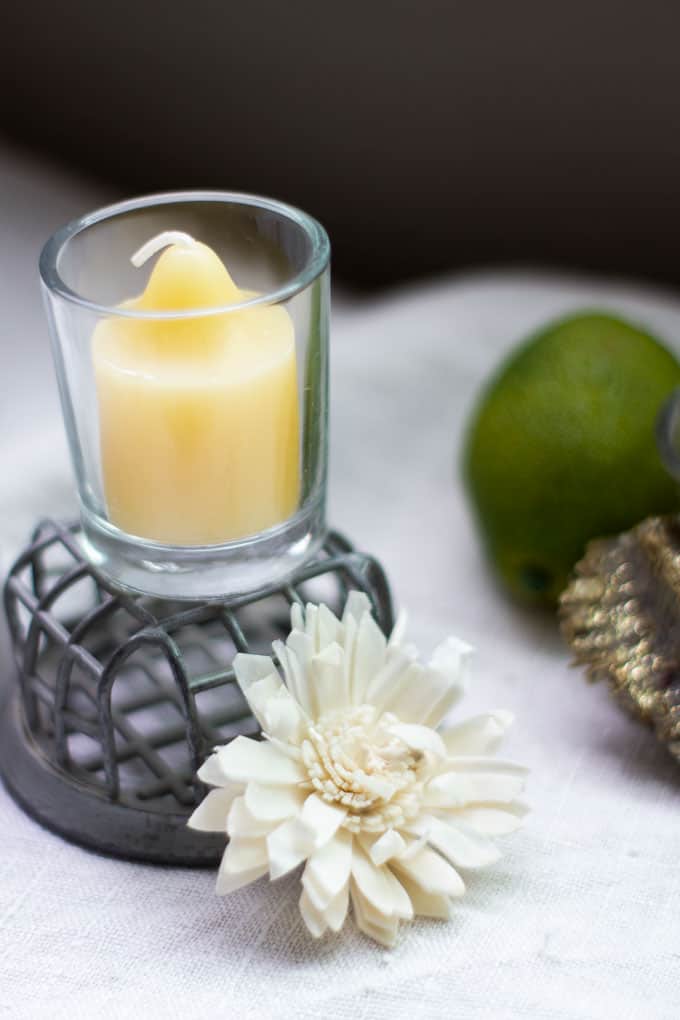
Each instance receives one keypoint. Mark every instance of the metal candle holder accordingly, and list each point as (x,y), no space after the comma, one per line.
(119,697)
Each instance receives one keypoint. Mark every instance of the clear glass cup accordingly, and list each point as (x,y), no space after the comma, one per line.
(157,448)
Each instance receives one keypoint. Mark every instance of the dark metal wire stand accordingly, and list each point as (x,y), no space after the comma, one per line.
(119,697)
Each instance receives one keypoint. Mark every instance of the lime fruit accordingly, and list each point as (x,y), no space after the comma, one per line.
(561,448)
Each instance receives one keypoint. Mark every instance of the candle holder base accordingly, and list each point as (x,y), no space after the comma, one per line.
(119,697)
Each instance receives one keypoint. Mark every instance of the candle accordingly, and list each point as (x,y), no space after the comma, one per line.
(198,417)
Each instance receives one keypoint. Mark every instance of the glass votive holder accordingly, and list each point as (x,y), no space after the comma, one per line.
(195,397)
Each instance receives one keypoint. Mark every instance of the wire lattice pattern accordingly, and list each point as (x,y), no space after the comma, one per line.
(123,695)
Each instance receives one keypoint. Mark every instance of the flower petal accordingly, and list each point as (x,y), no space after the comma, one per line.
(282,718)
(442,683)
(492,819)
(481,734)
(431,873)
(349,647)
(243,854)
(380,887)
(211,813)
(243,862)
(228,882)
(313,918)
(336,911)
(329,628)
(463,847)
(327,680)
(451,694)
(369,656)
(318,896)
(426,904)
(287,846)
(311,630)
(272,704)
(291,751)
(322,820)
(241,823)
(294,840)
(331,864)
(334,908)
(419,738)
(390,844)
(258,692)
(251,668)
(377,926)
(470,780)
(357,606)
(297,617)
(273,803)
(243,760)
(294,658)
(399,629)
(413,846)
(398,673)
(211,772)
(423,697)
(452,657)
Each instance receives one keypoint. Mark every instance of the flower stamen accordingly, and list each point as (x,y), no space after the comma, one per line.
(353,760)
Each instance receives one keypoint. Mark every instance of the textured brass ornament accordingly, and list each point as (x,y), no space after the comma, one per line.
(621,616)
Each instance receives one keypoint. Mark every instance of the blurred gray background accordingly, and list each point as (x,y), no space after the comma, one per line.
(425,135)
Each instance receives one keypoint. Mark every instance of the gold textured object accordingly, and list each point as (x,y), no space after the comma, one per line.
(621,616)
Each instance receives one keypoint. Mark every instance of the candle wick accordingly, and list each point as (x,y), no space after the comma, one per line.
(155,244)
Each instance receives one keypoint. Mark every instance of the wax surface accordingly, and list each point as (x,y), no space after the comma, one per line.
(199,422)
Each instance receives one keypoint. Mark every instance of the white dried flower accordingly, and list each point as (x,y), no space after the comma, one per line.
(353,778)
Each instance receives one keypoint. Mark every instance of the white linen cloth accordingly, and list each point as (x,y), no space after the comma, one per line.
(581,917)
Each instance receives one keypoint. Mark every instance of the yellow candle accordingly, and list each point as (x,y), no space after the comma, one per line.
(198,417)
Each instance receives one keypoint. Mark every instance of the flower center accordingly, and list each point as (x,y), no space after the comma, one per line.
(353,760)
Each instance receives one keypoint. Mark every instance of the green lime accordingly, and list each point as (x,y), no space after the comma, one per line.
(561,448)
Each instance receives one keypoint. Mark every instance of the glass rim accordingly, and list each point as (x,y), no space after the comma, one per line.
(315,265)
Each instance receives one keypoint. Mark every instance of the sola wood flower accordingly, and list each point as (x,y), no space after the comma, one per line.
(353,779)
